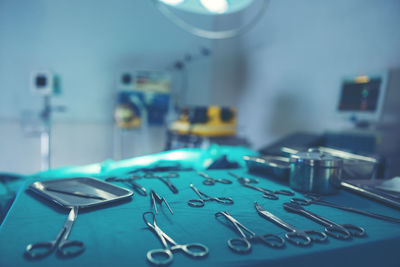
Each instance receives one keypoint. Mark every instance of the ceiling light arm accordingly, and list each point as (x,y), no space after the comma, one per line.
(208,33)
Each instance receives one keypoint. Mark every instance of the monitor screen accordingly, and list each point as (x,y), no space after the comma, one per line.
(360,95)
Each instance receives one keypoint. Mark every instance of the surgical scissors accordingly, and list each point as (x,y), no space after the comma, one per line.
(155,198)
(314,199)
(45,248)
(339,231)
(203,198)
(166,182)
(242,245)
(195,250)
(295,236)
(269,194)
(135,186)
(211,181)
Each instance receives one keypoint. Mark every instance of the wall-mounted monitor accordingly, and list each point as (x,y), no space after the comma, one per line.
(361,98)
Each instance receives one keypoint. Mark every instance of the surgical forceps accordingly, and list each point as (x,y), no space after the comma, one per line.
(166,182)
(295,236)
(155,198)
(339,231)
(135,186)
(203,198)
(314,199)
(269,194)
(195,250)
(242,245)
(211,181)
(45,248)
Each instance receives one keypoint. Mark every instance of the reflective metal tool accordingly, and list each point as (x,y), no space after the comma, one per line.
(339,231)
(203,198)
(242,245)
(315,199)
(64,247)
(295,236)
(211,181)
(131,182)
(195,250)
(269,194)
(156,199)
(166,181)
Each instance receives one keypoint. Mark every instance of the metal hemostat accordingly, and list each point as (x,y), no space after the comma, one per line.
(211,181)
(243,245)
(156,199)
(269,194)
(195,250)
(294,235)
(339,231)
(130,181)
(315,199)
(197,203)
(167,182)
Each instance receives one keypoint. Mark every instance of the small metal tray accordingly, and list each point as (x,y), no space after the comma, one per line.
(96,192)
(270,166)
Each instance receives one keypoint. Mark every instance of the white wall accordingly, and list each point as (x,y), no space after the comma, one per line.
(297,56)
(86,43)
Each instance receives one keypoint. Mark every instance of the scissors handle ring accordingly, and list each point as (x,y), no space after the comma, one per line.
(196,203)
(298,238)
(161,253)
(355,230)
(65,251)
(225,200)
(209,182)
(43,248)
(301,201)
(270,196)
(316,236)
(272,240)
(239,245)
(337,232)
(195,250)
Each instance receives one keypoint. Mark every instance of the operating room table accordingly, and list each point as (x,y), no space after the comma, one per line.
(116,235)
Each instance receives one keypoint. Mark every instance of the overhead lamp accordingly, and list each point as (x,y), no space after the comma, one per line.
(209,7)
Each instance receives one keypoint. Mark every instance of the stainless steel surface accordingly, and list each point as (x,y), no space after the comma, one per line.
(43,249)
(84,185)
(270,166)
(195,250)
(211,181)
(315,172)
(294,235)
(243,245)
(197,203)
(156,199)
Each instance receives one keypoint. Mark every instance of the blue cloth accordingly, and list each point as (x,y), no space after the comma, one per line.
(115,235)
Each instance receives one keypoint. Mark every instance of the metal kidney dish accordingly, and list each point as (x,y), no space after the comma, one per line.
(315,172)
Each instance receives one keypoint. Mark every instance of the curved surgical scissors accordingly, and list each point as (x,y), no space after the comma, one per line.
(339,231)
(295,236)
(195,250)
(44,249)
(135,186)
(211,181)
(269,194)
(314,199)
(242,245)
(203,198)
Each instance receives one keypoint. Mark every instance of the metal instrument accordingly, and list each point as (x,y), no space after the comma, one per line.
(314,199)
(74,193)
(211,181)
(155,198)
(130,181)
(64,246)
(269,194)
(167,182)
(242,245)
(339,231)
(195,250)
(295,236)
(203,198)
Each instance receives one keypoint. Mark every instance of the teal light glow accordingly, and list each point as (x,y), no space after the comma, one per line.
(209,6)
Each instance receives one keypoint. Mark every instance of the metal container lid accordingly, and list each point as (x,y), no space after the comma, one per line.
(316,159)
